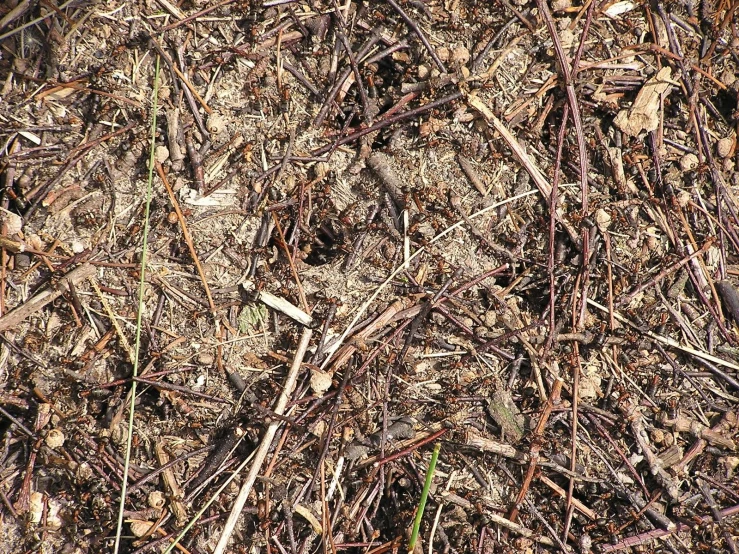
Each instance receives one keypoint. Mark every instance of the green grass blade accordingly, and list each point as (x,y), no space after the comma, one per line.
(142,285)
(424,497)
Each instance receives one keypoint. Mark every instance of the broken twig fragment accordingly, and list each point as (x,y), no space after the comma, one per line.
(45,297)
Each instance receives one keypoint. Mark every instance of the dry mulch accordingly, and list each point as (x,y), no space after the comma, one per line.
(375,228)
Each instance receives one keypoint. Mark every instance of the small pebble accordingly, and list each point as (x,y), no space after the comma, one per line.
(688,162)
(161,153)
(460,55)
(728,77)
(54,439)
(216,123)
(490,318)
(602,220)
(156,499)
(36,507)
(658,436)
(725,146)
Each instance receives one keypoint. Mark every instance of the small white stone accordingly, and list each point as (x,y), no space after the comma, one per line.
(54,439)
(83,472)
(156,499)
(728,77)
(725,146)
(53,519)
(320,382)
(216,123)
(161,153)
(602,220)
(460,55)
(688,162)
(36,507)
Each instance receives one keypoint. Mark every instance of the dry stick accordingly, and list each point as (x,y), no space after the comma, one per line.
(585,510)
(15,317)
(190,96)
(293,269)
(265,445)
(519,15)
(553,225)
(15,13)
(172,486)
(352,60)
(11,16)
(576,368)
(195,15)
(343,77)
(724,425)
(636,540)
(632,413)
(73,158)
(188,238)
(668,341)
(91,91)
(114,321)
(569,74)
(471,174)
(348,350)
(379,125)
(664,273)
(541,183)
(536,447)
(416,29)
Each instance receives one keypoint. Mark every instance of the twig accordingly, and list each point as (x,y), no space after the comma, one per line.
(633,415)
(664,273)
(569,74)
(471,174)
(195,15)
(45,297)
(9,18)
(668,341)
(416,29)
(301,293)
(329,101)
(187,237)
(265,445)
(553,399)
(173,488)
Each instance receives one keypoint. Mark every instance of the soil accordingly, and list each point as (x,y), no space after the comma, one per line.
(531,269)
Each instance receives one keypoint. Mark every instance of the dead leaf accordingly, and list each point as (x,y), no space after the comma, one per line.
(644,113)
